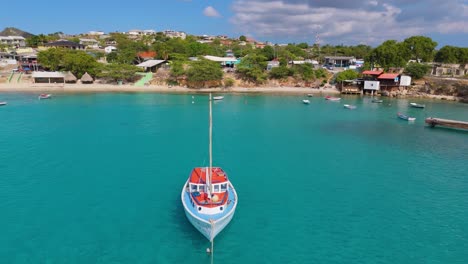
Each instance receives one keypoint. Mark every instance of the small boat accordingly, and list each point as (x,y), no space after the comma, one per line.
(415,105)
(378,101)
(218,97)
(349,106)
(331,98)
(3,103)
(305,101)
(405,117)
(45,96)
(310,95)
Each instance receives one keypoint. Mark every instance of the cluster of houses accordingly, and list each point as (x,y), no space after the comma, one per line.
(374,81)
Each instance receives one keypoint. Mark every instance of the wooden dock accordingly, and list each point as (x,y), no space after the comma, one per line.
(433,121)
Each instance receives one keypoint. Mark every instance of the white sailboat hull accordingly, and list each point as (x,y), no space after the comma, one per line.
(209,226)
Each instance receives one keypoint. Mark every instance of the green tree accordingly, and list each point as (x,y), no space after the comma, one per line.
(388,54)
(305,71)
(420,48)
(268,52)
(112,57)
(303,45)
(78,62)
(346,75)
(447,54)
(177,69)
(203,71)
(280,72)
(417,70)
(51,59)
(242,38)
(252,68)
(118,72)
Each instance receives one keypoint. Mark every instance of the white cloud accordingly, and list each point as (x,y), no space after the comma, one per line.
(211,12)
(336,21)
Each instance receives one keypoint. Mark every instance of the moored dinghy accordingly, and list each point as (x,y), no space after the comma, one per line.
(305,101)
(218,97)
(331,98)
(3,103)
(415,105)
(44,96)
(349,106)
(405,117)
(208,197)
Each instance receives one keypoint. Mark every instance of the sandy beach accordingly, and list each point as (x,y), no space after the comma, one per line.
(108,88)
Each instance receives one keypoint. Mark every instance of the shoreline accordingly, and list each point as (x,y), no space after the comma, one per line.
(112,88)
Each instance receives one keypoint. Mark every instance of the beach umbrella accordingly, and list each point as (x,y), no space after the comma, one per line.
(86,78)
(70,78)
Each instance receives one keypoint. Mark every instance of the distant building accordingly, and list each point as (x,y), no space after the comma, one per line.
(13,41)
(95,33)
(452,70)
(340,62)
(65,44)
(135,32)
(151,65)
(89,43)
(224,61)
(147,32)
(147,55)
(174,34)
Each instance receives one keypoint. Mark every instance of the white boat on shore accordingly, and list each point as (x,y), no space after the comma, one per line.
(208,197)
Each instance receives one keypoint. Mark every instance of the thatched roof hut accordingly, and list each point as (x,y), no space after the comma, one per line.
(86,78)
(70,78)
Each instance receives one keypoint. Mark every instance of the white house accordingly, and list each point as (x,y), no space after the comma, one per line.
(89,43)
(13,41)
(135,32)
(95,33)
(109,49)
(174,34)
(149,32)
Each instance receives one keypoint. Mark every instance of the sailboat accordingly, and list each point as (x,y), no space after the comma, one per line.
(208,197)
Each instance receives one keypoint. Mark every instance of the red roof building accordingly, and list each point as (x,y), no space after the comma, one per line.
(375,73)
(147,55)
(388,76)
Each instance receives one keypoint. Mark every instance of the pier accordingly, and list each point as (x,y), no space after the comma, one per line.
(433,121)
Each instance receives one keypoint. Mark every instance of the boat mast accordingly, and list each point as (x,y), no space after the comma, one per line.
(210,148)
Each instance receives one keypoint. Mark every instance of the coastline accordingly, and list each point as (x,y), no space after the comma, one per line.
(110,88)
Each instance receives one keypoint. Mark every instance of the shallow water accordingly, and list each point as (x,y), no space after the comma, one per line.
(96,178)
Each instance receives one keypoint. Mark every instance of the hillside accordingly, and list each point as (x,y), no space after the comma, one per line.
(11,31)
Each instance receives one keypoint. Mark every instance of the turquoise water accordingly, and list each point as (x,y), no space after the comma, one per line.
(96,178)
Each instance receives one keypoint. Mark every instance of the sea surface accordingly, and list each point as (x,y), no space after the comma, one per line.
(97,178)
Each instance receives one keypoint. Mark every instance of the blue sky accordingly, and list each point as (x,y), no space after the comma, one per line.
(280,21)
